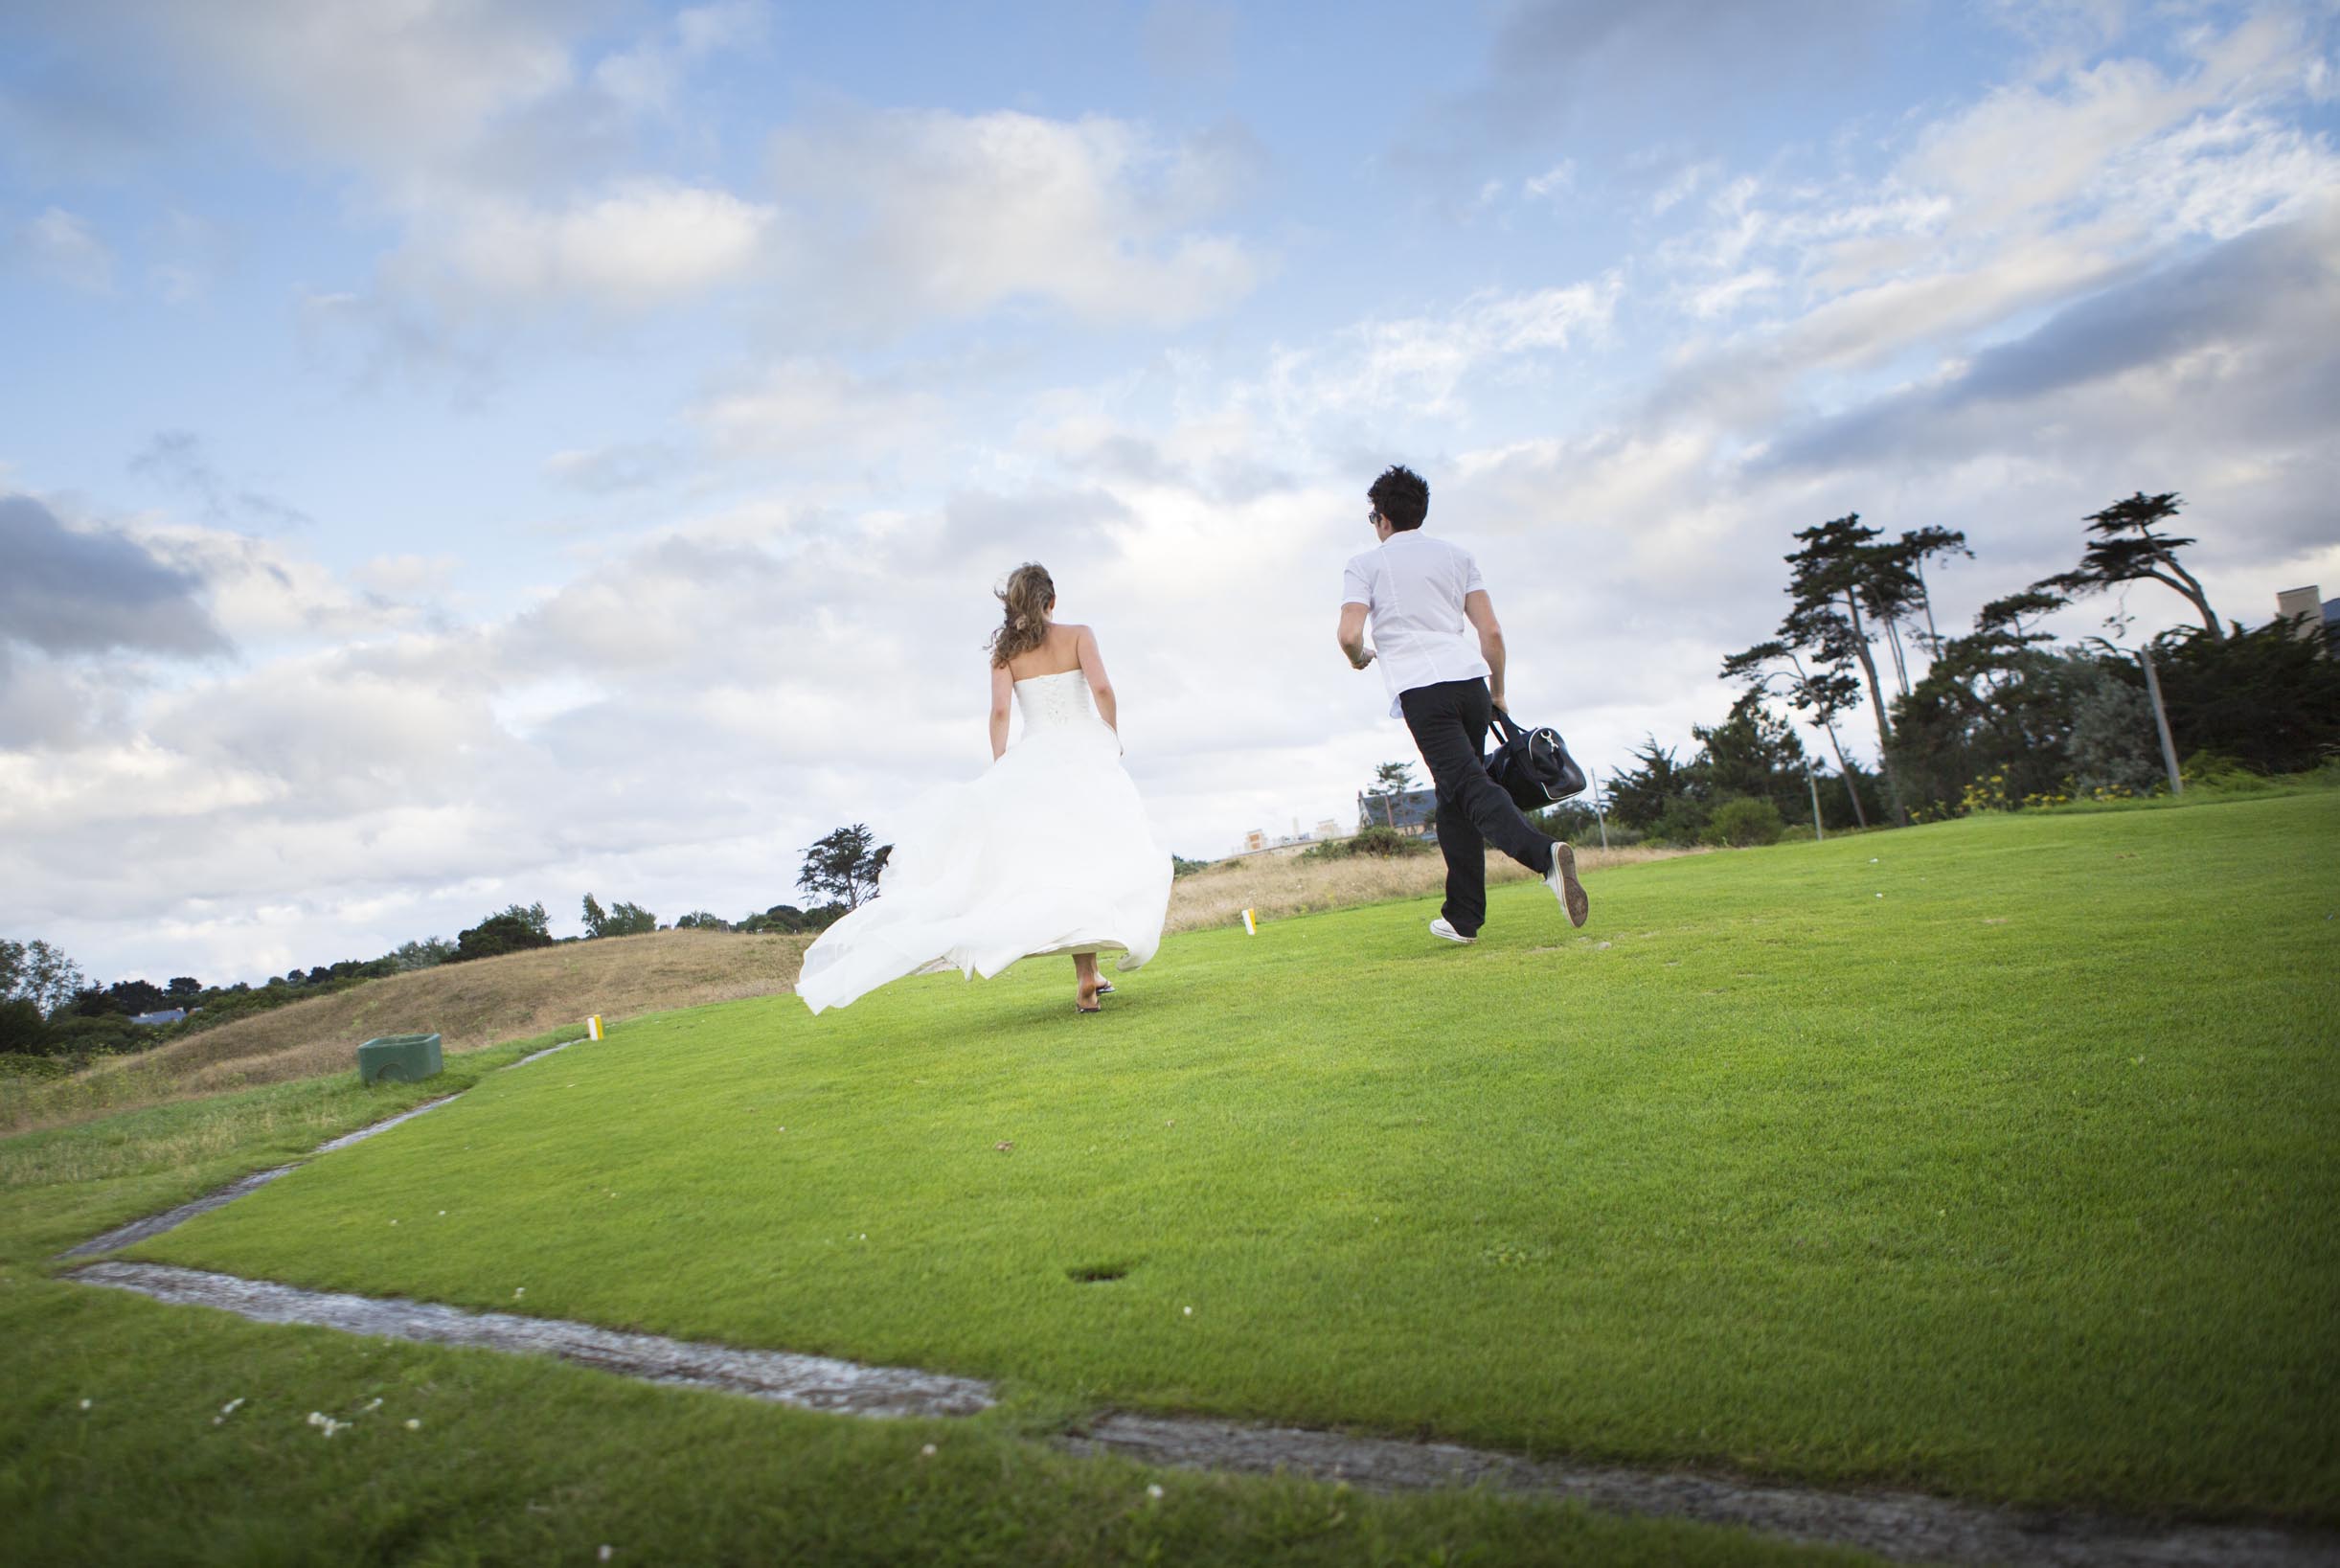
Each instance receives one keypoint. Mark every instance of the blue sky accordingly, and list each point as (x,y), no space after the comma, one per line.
(460,453)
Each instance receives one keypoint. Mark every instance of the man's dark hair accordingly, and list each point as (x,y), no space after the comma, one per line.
(1403,496)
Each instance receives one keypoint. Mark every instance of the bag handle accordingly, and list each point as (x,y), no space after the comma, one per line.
(1506,725)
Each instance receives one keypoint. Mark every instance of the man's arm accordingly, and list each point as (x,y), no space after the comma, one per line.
(1480,611)
(1352,636)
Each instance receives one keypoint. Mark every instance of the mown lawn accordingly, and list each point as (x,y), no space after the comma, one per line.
(1996,1157)
(134,1432)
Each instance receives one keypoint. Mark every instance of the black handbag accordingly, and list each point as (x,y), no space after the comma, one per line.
(1532,766)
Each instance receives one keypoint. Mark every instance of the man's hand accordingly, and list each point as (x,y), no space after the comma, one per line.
(1496,692)
(1352,636)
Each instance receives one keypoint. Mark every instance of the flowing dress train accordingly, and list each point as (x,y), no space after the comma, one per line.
(1048,851)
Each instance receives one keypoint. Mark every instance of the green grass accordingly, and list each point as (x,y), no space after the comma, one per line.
(2015,1182)
(527,1461)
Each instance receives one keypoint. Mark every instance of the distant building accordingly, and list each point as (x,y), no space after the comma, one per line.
(1256,839)
(1329,828)
(169,1015)
(2310,614)
(1412,812)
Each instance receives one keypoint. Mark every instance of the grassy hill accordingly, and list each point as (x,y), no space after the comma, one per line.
(469,1006)
(490,1001)
(1994,1157)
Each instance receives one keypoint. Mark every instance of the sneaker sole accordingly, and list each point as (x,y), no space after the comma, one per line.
(1456,936)
(1572,891)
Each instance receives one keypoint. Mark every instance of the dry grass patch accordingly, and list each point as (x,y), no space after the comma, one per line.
(1289,885)
(469,1006)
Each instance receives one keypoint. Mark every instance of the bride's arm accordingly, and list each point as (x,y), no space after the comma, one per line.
(1093,666)
(1003,689)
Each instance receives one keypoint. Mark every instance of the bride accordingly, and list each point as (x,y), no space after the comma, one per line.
(1046,851)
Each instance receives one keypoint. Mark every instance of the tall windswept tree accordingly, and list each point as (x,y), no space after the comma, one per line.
(1822,694)
(1896,592)
(1834,584)
(2125,548)
(843,865)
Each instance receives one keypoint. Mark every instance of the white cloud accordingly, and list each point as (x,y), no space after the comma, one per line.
(812,406)
(638,244)
(1422,362)
(907,213)
(1553,180)
(62,247)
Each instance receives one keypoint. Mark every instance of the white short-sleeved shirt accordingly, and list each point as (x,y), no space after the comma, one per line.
(1412,587)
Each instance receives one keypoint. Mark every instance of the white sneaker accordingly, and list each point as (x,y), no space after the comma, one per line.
(1440,929)
(1562,879)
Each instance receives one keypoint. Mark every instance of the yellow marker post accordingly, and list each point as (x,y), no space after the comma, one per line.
(593,1027)
(1251,927)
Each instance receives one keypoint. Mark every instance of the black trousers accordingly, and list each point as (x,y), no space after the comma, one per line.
(1449,721)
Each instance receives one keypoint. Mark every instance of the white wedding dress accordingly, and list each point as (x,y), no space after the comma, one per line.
(1046,851)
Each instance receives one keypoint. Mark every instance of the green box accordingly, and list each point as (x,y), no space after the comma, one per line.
(400,1058)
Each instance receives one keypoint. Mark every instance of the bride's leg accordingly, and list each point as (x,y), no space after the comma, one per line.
(1084,975)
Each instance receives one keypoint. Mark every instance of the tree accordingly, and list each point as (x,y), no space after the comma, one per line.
(2267,697)
(1390,780)
(507,932)
(184,987)
(1834,585)
(699,919)
(619,920)
(1896,591)
(1822,694)
(1638,797)
(23,1031)
(1752,755)
(2126,549)
(427,954)
(533,916)
(38,973)
(845,866)
(131,997)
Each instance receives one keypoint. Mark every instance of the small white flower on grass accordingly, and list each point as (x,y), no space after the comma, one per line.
(607,1552)
(927,1453)
(371,1404)
(393,1223)
(324,1424)
(413,1425)
(1189,1311)
(1154,1491)
(85,1404)
(519,1292)
(443,1213)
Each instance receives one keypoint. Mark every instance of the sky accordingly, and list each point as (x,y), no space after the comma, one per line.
(466,452)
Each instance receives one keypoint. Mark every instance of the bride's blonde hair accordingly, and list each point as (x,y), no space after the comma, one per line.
(1028,596)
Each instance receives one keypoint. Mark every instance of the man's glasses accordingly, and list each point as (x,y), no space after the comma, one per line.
(1372,518)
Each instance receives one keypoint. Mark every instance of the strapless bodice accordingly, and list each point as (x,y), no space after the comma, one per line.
(1059,701)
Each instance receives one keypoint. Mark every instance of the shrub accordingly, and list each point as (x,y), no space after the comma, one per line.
(1741,823)
(509,932)
(23,1031)
(1379,840)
